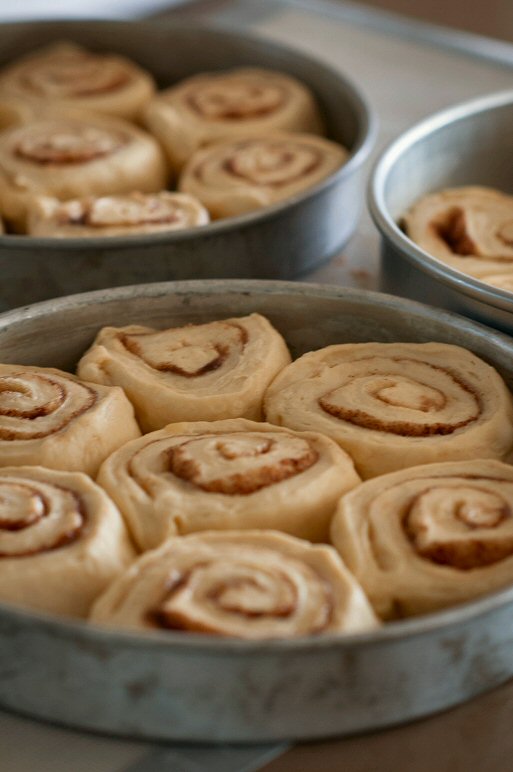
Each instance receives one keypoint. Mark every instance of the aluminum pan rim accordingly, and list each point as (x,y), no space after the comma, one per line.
(468,285)
(367,132)
(401,629)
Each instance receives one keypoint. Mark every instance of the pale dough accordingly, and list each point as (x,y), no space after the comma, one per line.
(51,418)
(62,540)
(227,474)
(469,228)
(193,373)
(71,154)
(251,584)
(121,215)
(67,75)
(430,536)
(213,107)
(240,176)
(394,405)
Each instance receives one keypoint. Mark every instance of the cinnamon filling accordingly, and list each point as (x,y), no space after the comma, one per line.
(24,509)
(454,231)
(33,507)
(407,393)
(247,593)
(228,596)
(184,353)
(11,390)
(123,211)
(470,554)
(61,145)
(273,164)
(239,464)
(236,101)
(188,361)
(45,397)
(75,75)
(391,390)
(459,527)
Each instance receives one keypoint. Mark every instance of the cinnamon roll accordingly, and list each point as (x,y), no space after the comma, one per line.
(67,75)
(236,177)
(502,281)
(62,540)
(51,418)
(251,584)
(15,112)
(470,229)
(430,536)
(201,372)
(122,215)
(213,107)
(227,474)
(69,155)
(395,405)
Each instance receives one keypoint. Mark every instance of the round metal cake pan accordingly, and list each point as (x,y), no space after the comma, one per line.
(470,144)
(277,242)
(179,686)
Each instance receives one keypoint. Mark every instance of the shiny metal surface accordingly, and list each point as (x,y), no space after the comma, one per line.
(187,687)
(470,144)
(281,241)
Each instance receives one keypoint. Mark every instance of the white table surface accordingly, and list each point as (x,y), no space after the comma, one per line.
(407,72)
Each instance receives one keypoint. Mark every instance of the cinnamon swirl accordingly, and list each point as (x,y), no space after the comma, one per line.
(470,229)
(430,536)
(227,474)
(198,372)
(62,540)
(51,418)
(395,405)
(252,584)
(67,75)
(69,155)
(122,215)
(236,177)
(213,107)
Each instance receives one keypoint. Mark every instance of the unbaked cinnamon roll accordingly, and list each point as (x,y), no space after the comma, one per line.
(67,75)
(470,229)
(430,536)
(395,405)
(201,372)
(227,474)
(230,105)
(15,112)
(51,418)
(236,177)
(62,541)
(503,281)
(69,155)
(122,215)
(252,584)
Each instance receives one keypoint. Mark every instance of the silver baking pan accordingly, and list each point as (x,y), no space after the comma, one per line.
(470,144)
(281,241)
(178,686)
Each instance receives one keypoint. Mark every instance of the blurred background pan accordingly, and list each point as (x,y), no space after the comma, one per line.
(279,242)
(469,144)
